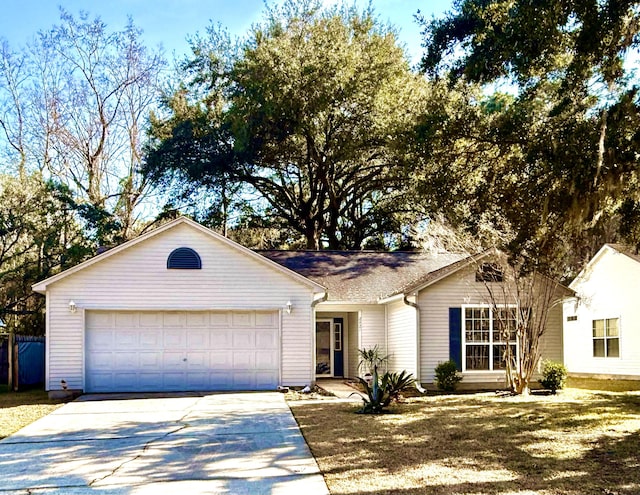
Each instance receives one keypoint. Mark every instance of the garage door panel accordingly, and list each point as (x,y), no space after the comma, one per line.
(125,339)
(243,339)
(150,360)
(198,360)
(197,319)
(174,339)
(265,360)
(125,360)
(126,320)
(220,339)
(99,339)
(197,339)
(174,319)
(220,360)
(265,380)
(150,339)
(173,360)
(180,350)
(266,339)
(243,360)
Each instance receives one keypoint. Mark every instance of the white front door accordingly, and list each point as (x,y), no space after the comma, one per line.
(324,348)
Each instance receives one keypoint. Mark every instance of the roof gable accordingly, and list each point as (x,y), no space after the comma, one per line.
(100,258)
(605,250)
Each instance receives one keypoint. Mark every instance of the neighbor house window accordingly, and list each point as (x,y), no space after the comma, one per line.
(606,338)
(487,333)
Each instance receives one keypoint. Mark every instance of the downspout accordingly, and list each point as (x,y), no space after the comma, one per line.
(405,300)
(314,303)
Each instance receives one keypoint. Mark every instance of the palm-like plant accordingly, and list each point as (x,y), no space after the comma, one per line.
(382,391)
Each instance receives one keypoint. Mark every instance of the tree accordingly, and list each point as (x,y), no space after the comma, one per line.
(74,104)
(39,237)
(308,114)
(569,136)
(544,170)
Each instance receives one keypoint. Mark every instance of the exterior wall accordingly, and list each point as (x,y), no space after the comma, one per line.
(402,338)
(455,291)
(609,288)
(353,344)
(137,279)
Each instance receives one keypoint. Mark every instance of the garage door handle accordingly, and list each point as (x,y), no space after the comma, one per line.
(184,359)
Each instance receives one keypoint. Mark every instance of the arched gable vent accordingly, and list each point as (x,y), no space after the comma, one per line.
(184,258)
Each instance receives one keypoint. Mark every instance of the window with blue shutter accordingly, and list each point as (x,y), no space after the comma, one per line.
(455,336)
(184,258)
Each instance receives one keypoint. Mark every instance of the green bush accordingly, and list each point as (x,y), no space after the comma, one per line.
(553,376)
(447,376)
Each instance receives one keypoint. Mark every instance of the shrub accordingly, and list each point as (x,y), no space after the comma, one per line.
(553,376)
(447,376)
(371,358)
(383,391)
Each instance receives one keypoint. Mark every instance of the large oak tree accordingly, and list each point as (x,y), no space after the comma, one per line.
(308,113)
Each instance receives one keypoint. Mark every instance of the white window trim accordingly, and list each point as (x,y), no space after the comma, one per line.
(607,358)
(490,343)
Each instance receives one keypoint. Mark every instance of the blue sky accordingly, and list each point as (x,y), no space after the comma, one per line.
(168,22)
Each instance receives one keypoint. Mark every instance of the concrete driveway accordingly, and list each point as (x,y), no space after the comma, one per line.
(236,443)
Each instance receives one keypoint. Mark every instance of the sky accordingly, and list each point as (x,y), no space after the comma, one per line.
(169,22)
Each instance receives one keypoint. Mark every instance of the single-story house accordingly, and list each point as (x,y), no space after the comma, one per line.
(184,308)
(603,321)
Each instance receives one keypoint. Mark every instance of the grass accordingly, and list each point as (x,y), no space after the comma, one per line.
(18,409)
(601,384)
(577,442)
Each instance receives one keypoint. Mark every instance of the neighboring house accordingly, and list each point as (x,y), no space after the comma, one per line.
(183,308)
(603,321)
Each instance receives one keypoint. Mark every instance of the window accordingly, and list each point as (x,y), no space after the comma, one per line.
(488,335)
(184,258)
(606,338)
(337,336)
(572,318)
(489,272)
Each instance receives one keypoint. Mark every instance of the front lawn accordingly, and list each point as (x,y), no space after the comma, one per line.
(578,443)
(18,409)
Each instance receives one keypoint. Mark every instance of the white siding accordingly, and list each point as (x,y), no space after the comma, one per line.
(137,279)
(452,292)
(353,345)
(609,288)
(402,339)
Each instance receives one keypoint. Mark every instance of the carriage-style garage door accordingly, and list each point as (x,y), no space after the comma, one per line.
(181,350)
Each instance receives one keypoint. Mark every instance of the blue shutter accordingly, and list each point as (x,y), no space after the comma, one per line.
(455,336)
(184,258)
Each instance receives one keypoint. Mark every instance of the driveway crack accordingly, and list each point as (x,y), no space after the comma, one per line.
(148,444)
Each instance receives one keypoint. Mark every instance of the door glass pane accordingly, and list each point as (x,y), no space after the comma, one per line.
(323,348)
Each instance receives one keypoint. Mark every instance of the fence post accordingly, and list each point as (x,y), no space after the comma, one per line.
(10,352)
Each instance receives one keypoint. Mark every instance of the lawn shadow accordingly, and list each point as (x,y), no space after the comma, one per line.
(481,445)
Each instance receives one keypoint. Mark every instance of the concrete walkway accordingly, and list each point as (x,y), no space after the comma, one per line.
(193,444)
(338,388)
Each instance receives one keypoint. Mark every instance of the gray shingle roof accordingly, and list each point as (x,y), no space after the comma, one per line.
(366,276)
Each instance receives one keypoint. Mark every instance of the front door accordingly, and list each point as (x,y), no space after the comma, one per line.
(324,348)
(338,349)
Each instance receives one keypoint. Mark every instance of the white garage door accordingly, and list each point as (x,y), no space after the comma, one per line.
(176,351)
